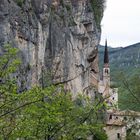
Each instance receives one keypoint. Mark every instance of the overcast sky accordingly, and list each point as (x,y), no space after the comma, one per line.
(121,23)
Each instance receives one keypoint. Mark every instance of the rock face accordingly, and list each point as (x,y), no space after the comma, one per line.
(57,39)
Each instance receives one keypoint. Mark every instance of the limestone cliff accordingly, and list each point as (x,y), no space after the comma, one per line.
(57,39)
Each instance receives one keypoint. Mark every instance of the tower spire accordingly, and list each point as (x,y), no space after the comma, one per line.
(106,70)
(106,58)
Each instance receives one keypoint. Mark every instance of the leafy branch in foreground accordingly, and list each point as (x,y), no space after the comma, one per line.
(48,113)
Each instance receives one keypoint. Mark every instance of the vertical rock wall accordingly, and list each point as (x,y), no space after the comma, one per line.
(57,39)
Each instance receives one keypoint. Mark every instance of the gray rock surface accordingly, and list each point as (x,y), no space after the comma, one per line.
(57,40)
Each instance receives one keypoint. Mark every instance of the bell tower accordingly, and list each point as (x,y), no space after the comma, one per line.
(106,68)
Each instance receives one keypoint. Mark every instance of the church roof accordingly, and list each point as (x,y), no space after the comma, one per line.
(106,58)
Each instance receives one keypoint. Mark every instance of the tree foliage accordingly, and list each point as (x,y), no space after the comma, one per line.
(129,92)
(44,113)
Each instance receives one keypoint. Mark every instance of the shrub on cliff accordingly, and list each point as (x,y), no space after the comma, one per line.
(20,2)
(98,7)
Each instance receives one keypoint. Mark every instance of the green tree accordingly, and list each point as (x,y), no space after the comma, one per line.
(44,113)
(129,92)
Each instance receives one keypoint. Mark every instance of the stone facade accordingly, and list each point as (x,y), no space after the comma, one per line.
(115,132)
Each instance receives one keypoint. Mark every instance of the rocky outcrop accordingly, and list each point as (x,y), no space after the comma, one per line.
(57,39)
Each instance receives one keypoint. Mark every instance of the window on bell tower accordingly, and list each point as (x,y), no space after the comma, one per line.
(106,71)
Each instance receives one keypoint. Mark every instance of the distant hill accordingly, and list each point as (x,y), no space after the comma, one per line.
(125,59)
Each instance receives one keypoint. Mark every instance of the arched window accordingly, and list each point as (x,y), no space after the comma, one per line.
(125,118)
(106,71)
(118,135)
(110,117)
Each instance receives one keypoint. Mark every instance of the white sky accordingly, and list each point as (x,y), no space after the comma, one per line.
(121,23)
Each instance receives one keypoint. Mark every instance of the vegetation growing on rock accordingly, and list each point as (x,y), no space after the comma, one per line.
(98,7)
(20,2)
